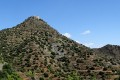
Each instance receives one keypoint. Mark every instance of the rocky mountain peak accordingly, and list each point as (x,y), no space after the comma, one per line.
(34,17)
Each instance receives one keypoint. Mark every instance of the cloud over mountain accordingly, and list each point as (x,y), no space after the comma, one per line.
(68,35)
(86,32)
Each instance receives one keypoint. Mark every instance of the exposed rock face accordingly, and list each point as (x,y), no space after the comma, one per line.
(1,65)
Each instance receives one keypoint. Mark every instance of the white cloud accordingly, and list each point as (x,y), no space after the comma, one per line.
(89,44)
(99,45)
(67,35)
(86,32)
(77,41)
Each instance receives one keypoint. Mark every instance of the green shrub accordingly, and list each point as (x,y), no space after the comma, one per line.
(46,75)
(41,78)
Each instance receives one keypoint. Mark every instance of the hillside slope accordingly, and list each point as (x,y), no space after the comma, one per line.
(110,52)
(34,45)
(37,51)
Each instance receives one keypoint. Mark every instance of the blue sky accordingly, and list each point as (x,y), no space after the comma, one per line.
(91,22)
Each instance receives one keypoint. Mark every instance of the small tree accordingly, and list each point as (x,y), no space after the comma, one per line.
(30,73)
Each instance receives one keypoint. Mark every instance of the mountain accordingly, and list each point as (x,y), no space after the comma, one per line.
(36,51)
(111,52)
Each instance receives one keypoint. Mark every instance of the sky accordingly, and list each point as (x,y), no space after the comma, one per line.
(93,23)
